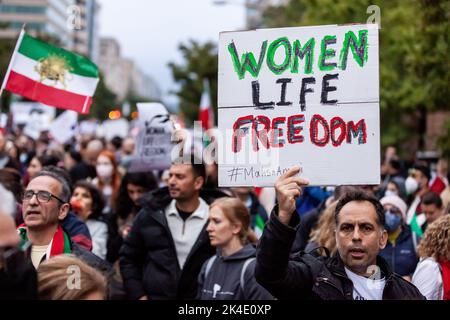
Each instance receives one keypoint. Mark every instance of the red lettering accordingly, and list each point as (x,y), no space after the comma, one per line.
(277,132)
(294,135)
(239,132)
(337,123)
(260,134)
(314,130)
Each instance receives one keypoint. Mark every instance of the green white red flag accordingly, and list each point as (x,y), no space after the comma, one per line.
(51,75)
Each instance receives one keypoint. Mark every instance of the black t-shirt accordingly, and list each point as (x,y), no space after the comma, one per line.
(184,214)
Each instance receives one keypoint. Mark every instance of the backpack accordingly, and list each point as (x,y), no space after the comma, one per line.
(244,268)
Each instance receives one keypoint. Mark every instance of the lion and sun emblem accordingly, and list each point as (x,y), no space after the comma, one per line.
(54,68)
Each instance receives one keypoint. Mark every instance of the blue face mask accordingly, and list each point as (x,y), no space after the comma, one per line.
(392,221)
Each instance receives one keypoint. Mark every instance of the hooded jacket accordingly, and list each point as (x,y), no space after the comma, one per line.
(401,257)
(226,278)
(304,276)
(148,257)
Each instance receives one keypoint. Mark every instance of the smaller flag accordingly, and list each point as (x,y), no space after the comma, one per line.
(259,225)
(51,75)
(206,115)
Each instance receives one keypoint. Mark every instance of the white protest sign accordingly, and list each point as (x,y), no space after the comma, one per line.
(88,127)
(65,126)
(36,117)
(111,128)
(154,145)
(304,96)
(23,111)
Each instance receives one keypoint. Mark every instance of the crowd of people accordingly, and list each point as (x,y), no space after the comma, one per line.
(75,223)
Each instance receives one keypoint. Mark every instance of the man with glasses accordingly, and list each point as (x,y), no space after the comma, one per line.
(45,204)
(18,278)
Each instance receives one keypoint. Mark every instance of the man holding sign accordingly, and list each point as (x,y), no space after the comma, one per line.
(356,272)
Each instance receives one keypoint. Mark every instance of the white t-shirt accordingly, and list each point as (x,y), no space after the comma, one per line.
(37,253)
(366,288)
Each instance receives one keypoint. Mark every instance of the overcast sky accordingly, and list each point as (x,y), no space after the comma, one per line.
(149,31)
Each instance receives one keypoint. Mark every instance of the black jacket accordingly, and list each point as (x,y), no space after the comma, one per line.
(304,276)
(148,258)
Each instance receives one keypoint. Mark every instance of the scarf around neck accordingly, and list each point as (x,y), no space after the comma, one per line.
(60,243)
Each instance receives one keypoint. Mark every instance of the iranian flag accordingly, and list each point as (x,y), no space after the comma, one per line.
(206,115)
(51,75)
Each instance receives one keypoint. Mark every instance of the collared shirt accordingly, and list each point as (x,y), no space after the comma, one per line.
(186,232)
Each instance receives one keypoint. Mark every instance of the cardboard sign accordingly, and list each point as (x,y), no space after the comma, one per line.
(153,143)
(65,126)
(304,96)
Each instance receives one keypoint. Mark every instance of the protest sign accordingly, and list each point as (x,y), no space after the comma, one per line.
(36,117)
(111,128)
(305,96)
(153,143)
(64,127)
(88,127)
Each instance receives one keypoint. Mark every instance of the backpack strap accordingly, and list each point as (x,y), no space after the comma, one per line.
(209,264)
(244,268)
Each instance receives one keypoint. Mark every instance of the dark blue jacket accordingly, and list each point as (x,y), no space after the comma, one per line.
(401,257)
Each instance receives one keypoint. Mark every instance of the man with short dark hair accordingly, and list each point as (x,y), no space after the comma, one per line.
(163,253)
(355,272)
(432,207)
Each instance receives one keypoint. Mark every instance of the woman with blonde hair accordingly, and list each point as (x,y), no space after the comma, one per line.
(323,235)
(432,275)
(230,274)
(66,277)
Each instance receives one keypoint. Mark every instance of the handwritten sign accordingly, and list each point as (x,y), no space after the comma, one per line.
(304,96)
(153,143)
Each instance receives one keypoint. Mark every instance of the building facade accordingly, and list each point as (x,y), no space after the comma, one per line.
(122,75)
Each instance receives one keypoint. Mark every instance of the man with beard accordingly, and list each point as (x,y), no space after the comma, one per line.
(165,249)
(356,272)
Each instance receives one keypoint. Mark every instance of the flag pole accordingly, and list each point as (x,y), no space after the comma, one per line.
(8,71)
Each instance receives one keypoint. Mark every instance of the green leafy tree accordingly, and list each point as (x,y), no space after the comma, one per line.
(200,62)
(103,101)
(414,64)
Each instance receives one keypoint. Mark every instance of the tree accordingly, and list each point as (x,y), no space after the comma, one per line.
(414,68)
(133,98)
(200,62)
(103,102)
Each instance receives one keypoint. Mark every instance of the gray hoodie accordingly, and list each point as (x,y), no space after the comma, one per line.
(223,279)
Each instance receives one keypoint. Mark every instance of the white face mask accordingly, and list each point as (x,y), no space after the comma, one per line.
(411,185)
(104,170)
(388,193)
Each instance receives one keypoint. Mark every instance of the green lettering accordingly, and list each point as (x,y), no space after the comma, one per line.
(300,52)
(359,48)
(248,61)
(327,53)
(275,68)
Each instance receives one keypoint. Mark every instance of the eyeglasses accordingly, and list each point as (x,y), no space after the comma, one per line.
(42,196)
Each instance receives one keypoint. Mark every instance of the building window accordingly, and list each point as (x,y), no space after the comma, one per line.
(22,9)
